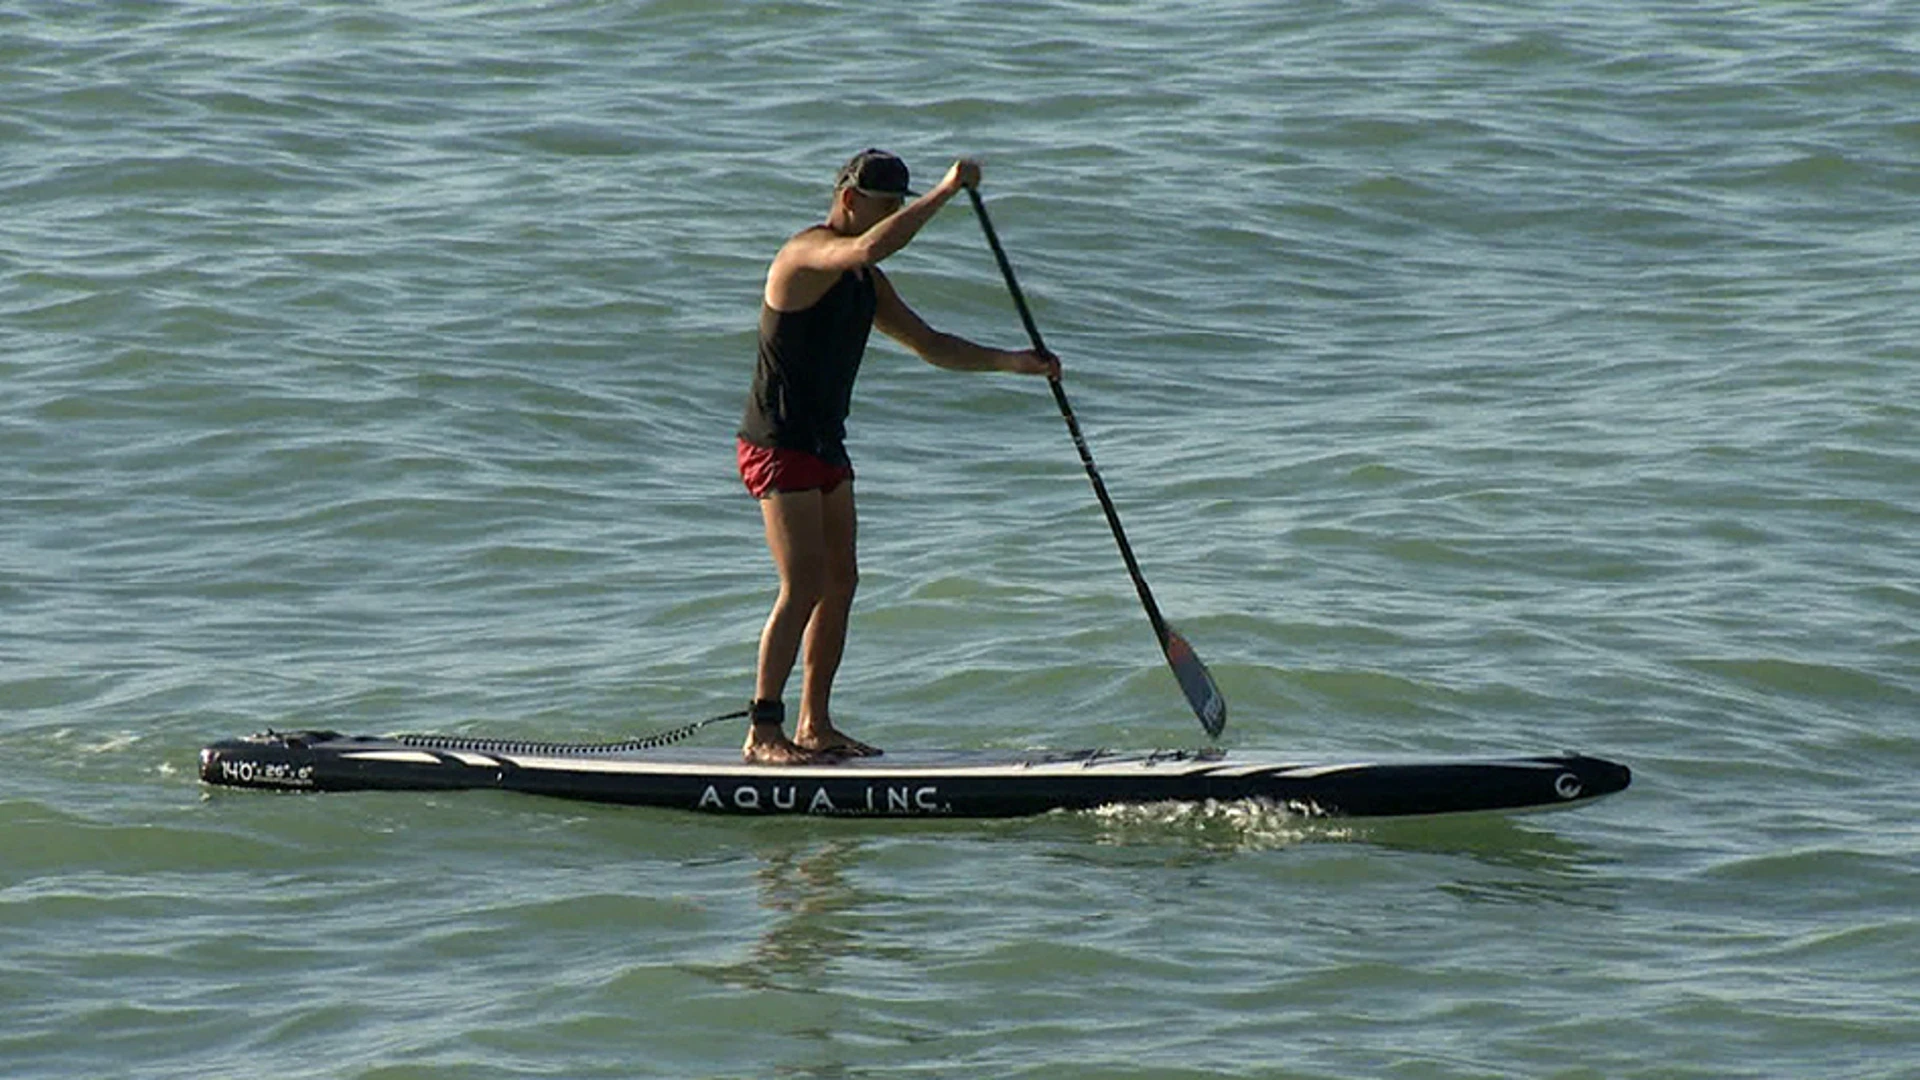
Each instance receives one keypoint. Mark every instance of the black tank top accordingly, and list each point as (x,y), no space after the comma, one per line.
(803,381)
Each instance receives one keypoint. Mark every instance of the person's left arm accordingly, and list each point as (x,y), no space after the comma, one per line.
(899,322)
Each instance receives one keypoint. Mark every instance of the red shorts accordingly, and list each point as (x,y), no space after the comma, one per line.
(767,471)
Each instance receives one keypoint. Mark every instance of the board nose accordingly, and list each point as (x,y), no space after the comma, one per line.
(1598,776)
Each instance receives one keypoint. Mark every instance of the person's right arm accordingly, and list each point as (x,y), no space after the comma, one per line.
(826,251)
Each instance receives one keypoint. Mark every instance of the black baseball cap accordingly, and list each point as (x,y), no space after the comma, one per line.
(875,172)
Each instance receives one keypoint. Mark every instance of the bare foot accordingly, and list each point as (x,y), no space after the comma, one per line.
(774,748)
(825,739)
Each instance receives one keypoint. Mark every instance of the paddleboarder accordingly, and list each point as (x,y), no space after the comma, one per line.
(824,293)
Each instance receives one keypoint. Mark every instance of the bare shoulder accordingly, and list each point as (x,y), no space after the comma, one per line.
(795,280)
(798,251)
(807,237)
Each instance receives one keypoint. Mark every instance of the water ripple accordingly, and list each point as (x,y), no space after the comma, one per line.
(1470,380)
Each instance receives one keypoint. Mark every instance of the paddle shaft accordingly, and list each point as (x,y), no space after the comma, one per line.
(1196,682)
(1160,629)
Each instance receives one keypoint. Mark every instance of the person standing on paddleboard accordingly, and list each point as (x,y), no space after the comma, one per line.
(824,294)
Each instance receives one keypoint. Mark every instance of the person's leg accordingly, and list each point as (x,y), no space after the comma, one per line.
(827,628)
(797,540)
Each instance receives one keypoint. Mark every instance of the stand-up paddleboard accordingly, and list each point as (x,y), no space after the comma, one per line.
(907,783)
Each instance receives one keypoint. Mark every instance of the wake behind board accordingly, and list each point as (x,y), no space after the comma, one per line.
(925,783)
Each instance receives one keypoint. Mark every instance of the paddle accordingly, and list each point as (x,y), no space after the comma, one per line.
(1195,680)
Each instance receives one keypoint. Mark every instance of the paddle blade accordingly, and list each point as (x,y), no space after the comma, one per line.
(1197,683)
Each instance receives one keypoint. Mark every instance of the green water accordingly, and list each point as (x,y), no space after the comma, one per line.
(1471,380)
